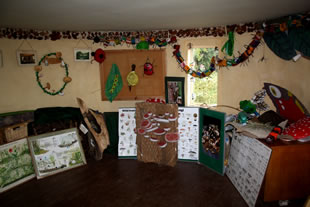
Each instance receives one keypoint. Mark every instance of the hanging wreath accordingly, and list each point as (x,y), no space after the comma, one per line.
(216,61)
(47,61)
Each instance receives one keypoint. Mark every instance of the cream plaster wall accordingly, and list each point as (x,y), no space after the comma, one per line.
(19,89)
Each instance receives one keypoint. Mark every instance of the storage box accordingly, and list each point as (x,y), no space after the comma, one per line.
(13,132)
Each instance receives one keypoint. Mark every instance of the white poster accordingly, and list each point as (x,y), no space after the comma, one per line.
(188,124)
(126,131)
(247,164)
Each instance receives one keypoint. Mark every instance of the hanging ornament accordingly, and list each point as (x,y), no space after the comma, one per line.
(99,55)
(114,83)
(229,45)
(132,77)
(48,60)
(148,67)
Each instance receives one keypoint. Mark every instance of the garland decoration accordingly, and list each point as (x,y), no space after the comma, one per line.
(215,61)
(47,61)
(155,38)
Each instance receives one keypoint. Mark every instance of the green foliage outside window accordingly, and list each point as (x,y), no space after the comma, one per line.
(204,91)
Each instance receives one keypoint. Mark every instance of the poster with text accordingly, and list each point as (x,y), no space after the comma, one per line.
(247,164)
(127,147)
(188,146)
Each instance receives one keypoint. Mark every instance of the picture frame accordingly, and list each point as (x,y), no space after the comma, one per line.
(174,90)
(82,55)
(26,57)
(1,59)
(15,157)
(56,152)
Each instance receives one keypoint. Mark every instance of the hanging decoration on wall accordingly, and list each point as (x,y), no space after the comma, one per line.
(155,38)
(47,59)
(114,83)
(215,61)
(132,77)
(228,47)
(99,55)
(148,67)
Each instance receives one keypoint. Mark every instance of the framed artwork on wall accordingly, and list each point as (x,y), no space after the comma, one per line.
(56,152)
(26,57)
(82,54)
(174,88)
(15,164)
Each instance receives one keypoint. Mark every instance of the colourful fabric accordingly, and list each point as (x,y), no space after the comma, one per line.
(114,83)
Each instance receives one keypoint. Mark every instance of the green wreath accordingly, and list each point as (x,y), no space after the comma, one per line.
(38,69)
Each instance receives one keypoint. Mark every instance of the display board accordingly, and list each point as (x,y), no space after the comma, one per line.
(15,164)
(127,147)
(148,85)
(188,146)
(188,127)
(247,164)
(211,142)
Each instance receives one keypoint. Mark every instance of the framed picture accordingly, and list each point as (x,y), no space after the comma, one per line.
(1,59)
(211,141)
(174,87)
(82,54)
(15,164)
(26,57)
(56,152)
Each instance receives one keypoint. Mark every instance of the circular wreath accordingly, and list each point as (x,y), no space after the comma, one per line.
(38,69)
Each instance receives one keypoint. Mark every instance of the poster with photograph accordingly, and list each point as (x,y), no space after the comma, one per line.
(56,152)
(82,54)
(15,164)
(247,164)
(188,146)
(174,87)
(26,57)
(127,147)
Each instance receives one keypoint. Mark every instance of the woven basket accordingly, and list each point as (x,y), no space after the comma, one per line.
(15,132)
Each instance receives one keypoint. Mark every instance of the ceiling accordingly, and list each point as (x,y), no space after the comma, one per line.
(140,15)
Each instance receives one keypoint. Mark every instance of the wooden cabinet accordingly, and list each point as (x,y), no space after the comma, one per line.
(288,173)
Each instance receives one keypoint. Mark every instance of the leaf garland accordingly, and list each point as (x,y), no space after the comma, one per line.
(216,61)
(66,79)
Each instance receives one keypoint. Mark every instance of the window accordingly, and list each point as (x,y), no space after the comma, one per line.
(202,91)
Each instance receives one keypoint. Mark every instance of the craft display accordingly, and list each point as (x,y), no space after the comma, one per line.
(127,147)
(15,164)
(46,59)
(188,127)
(148,67)
(157,134)
(211,139)
(247,164)
(99,55)
(287,38)
(286,103)
(56,152)
(114,83)
(132,77)
(154,38)
(215,61)
(97,126)
(299,130)
(228,47)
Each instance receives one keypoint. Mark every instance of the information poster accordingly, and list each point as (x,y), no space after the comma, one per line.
(188,124)
(127,147)
(247,166)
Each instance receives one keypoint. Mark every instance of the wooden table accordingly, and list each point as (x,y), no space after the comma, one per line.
(288,172)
